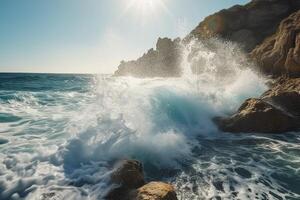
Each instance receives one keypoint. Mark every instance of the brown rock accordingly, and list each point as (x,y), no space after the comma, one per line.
(129,173)
(257,20)
(258,116)
(280,53)
(285,94)
(127,176)
(164,61)
(154,191)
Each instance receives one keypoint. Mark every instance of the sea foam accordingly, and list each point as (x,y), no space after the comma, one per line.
(64,139)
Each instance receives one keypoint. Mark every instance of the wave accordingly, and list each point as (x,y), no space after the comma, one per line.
(65,142)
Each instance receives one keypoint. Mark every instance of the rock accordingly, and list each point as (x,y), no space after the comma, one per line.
(247,25)
(258,116)
(154,191)
(128,184)
(127,176)
(280,53)
(285,94)
(163,62)
(129,173)
(277,110)
(245,36)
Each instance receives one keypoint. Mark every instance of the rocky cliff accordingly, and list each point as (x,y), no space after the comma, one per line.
(247,25)
(164,61)
(280,53)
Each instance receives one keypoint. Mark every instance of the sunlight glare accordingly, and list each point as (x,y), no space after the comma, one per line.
(145,8)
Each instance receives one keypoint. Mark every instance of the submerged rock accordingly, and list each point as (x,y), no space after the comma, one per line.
(258,116)
(154,191)
(248,25)
(128,184)
(280,53)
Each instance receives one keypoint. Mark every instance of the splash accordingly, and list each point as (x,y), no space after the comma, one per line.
(59,141)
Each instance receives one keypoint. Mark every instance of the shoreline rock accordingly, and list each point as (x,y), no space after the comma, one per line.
(276,111)
(127,182)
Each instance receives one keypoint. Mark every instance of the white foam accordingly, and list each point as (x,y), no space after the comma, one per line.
(65,145)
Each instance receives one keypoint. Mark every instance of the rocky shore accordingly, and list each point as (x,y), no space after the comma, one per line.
(249,25)
(277,110)
(269,32)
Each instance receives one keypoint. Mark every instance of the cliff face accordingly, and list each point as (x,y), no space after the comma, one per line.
(280,53)
(247,25)
(162,62)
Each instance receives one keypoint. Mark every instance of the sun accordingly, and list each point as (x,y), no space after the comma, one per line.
(145,8)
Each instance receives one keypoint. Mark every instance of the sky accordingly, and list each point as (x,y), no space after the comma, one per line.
(91,36)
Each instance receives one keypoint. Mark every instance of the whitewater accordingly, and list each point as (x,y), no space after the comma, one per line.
(60,133)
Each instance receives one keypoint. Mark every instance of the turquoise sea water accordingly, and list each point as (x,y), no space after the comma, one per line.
(60,133)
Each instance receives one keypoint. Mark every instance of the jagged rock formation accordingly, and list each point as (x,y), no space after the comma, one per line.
(277,111)
(280,53)
(128,184)
(248,25)
(162,62)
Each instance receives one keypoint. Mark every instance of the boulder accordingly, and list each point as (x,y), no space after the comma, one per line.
(128,175)
(285,94)
(258,116)
(127,183)
(154,191)
(280,53)
(247,25)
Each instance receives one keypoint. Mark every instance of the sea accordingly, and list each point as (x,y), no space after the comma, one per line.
(61,133)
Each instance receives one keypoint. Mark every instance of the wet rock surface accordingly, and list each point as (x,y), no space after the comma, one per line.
(277,110)
(285,94)
(129,173)
(258,116)
(128,184)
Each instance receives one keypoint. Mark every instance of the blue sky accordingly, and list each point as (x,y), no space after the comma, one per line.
(91,36)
